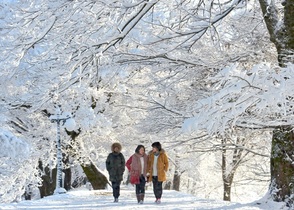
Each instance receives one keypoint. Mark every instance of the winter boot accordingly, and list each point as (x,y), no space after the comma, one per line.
(142,195)
(138,197)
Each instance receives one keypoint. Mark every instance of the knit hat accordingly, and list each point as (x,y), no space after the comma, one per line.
(157,145)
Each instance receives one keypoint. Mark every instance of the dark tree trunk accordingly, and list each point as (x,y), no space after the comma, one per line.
(95,177)
(177,174)
(227,178)
(28,193)
(228,173)
(176,181)
(168,185)
(282,168)
(48,181)
(67,174)
(282,35)
(227,188)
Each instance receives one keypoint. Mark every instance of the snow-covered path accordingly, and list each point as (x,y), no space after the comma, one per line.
(102,199)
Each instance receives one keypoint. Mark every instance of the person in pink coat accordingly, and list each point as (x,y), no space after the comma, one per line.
(137,166)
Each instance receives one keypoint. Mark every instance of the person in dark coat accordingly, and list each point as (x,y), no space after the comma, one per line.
(137,166)
(115,165)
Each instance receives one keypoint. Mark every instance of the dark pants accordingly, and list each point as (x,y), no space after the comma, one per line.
(116,188)
(157,187)
(140,188)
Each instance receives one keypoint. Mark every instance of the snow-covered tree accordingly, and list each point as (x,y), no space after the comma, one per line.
(255,98)
(100,59)
(17,167)
(280,23)
(260,98)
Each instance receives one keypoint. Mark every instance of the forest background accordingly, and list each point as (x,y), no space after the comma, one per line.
(211,80)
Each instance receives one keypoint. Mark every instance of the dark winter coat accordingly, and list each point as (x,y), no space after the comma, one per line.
(115,164)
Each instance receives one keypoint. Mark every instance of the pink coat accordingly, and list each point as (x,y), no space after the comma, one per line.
(134,166)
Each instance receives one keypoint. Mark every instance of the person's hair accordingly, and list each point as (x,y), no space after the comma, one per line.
(157,145)
(139,147)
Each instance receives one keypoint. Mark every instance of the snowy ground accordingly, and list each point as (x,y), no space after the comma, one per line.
(102,199)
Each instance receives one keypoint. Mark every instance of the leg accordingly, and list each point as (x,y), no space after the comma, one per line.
(142,185)
(157,187)
(159,190)
(138,192)
(154,182)
(142,189)
(116,189)
(138,197)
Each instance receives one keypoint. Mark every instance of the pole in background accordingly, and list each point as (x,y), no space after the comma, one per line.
(58,118)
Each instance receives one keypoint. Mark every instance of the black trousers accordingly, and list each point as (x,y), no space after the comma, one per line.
(140,188)
(157,187)
(116,188)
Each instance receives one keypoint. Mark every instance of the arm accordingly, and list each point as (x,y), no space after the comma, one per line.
(165,163)
(123,162)
(108,163)
(129,162)
(149,163)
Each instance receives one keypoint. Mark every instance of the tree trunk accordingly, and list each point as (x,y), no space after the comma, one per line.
(282,35)
(227,183)
(227,188)
(177,174)
(67,174)
(282,168)
(228,174)
(48,181)
(168,185)
(95,177)
(227,178)
(176,181)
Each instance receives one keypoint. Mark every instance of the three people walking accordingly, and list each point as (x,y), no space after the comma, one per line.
(142,168)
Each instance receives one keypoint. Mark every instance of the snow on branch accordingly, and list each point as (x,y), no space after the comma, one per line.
(256,98)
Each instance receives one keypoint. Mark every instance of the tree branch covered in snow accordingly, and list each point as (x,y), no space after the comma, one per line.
(256,98)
